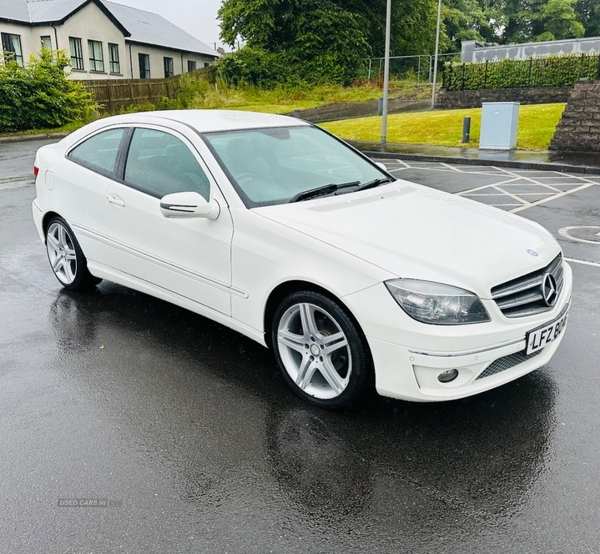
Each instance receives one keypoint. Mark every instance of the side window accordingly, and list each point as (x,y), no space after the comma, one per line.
(162,164)
(100,151)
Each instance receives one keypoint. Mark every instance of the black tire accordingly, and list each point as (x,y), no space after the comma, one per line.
(325,361)
(66,257)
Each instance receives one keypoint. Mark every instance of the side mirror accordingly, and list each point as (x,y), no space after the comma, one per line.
(381,165)
(186,205)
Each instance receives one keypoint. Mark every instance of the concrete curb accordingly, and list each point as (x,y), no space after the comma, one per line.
(20,138)
(542,166)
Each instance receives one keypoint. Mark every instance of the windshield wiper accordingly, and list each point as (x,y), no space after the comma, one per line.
(374,183)
(324,190)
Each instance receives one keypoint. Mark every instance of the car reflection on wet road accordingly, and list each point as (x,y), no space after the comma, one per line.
(118,395)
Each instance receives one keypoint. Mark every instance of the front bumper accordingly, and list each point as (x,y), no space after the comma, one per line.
(409,356)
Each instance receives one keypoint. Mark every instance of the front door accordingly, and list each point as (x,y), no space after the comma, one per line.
(188,257)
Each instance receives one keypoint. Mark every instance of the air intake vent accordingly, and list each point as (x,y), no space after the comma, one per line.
(502,364)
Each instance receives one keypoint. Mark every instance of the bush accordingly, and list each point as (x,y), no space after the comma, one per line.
(551,71)
(252,66)
(39,96)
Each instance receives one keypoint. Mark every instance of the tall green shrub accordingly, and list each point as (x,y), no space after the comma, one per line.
(39,95)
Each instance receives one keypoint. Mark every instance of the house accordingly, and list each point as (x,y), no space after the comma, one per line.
(105,40)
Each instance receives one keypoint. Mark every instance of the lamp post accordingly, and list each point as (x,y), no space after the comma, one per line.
(386,73)
(437,48)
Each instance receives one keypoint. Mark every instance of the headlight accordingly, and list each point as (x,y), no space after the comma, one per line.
(438,304)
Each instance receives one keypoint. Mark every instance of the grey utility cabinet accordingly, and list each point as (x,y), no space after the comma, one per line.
(499,122)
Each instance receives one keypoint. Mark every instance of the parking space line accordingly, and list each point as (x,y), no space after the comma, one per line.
(452,168)
(508,179)
(583,262)
(555,197)
(468,192)
(513,196)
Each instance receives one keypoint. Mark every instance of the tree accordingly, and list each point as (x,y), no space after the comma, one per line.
(329,38)
(559,20)
(589,15)
(468,20)
(315,39)
(413,25)
(536,20)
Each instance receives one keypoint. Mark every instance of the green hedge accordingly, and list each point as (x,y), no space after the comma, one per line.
(39,96)
(552,71)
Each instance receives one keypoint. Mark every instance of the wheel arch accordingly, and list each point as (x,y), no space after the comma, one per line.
(46,221)
(289,287)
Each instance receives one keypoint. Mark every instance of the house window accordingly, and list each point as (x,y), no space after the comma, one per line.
(46,42)
(96,55)
(76,53)
(11,44)
(191,65)
(144,60)
(113,58)
(168,63)
(206,64)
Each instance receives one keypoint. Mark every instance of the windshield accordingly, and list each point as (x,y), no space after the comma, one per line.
(277,165)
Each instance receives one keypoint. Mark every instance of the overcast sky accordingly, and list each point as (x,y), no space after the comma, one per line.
(197,17)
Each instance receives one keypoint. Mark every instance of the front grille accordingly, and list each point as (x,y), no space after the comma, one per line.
(502,364)
(523,296)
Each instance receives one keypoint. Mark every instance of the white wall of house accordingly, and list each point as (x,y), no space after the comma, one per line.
(30,37)
(157,55)
(90,23)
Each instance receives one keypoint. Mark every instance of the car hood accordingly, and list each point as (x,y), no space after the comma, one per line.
(416,232)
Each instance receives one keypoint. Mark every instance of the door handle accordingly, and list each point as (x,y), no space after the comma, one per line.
(116,200)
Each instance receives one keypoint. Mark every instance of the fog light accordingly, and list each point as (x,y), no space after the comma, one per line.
(448,376)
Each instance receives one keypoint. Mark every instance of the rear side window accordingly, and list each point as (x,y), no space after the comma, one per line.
(100,151)
(160,164)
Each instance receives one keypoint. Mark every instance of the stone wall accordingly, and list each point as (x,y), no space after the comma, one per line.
(456,99)
(579,127)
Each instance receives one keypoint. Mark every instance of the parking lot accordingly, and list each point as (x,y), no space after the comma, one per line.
(196,444)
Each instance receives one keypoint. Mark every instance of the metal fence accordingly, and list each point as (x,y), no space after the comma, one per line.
(554,71)
(417,68)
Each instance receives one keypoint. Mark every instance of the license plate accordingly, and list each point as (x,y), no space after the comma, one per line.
(542,336)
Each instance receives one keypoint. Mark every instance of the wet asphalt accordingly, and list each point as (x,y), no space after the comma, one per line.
(197,445)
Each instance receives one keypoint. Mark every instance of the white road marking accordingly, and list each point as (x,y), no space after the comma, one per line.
(583,262)
(555,197)
(564,232)
(452,167)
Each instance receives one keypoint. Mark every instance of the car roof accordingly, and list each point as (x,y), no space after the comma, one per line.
(205,121)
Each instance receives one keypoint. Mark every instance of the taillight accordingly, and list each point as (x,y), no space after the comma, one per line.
(36,170)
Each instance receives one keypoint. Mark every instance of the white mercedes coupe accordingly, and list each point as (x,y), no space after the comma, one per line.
(279,230)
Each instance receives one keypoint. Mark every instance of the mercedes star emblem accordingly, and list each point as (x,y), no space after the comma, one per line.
(549,289)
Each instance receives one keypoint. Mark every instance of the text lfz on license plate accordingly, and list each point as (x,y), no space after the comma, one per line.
(542,336)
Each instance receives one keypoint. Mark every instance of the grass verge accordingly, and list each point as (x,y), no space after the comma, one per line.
(537,124)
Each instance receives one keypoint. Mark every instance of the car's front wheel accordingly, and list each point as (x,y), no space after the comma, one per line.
(320,351)
(66,258)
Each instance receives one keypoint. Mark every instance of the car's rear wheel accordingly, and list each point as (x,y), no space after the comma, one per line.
(66,258)
(320,351)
